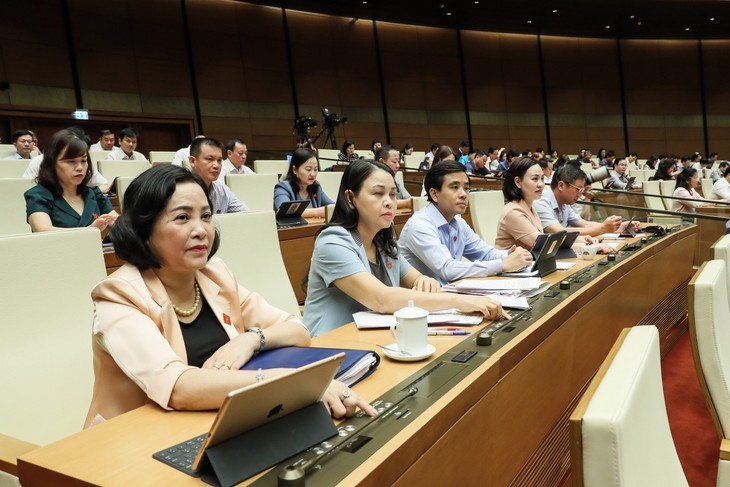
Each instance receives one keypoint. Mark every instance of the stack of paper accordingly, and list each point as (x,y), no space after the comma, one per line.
(510,293)
(370,319)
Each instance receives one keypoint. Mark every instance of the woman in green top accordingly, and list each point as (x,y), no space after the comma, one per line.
(62,199)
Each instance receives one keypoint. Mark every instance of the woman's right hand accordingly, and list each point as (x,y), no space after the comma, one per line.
(488,307)
(103,221)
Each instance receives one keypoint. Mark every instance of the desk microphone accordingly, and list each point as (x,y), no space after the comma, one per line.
(293,475)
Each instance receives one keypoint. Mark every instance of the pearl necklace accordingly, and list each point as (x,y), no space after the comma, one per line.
(188,312)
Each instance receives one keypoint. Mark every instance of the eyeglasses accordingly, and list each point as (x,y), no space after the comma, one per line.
(580,190)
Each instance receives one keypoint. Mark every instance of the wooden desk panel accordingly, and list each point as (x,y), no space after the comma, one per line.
(505,423)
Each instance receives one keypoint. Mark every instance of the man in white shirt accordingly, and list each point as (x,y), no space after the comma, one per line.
(106,141)
(127,143)
(436,238)
(721,188)
(236,151)
(555,206)
(23,141)
(492,158)
(618,179)
(206,158)
(182,156)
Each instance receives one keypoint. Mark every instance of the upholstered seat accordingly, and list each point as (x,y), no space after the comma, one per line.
(619,431)
(255,190)
(485,207)
(250,247)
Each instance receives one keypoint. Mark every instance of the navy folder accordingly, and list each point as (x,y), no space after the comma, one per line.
(357,365)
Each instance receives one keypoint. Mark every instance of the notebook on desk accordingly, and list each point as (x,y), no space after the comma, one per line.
(543,252)
(235,447)
(289,213)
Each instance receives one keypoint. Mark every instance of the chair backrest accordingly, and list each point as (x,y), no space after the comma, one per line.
(707,171)
(7,151)
(111,169)
(122,185)
(46,363)
(250,247)
(327,158)
(707,187)
(12,202)
(484,208)
(256,190)
(413,161)
(586,167)
(96,156)
(619,430)
(271,166)
(666,188)
(639,174)
(330,181)
(328,211)
(710,335)
(721,250)
(419,202)
(13,168)
(652,202)
(158,156)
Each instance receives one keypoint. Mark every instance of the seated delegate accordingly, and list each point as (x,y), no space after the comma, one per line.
(556,212)
(435,238)
(356,265)
(172,325)
(301,184)
(721,188)
(687,182)
(62,197)
(518,222)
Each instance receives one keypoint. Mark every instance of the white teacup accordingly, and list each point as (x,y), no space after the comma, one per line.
(410,329)
(588,252)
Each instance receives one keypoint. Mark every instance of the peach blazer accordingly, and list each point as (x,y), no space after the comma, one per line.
(139,352)
(518,225)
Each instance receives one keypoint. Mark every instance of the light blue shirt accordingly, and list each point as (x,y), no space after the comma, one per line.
(435,247)
(550,212)
(223,199)
(339,253)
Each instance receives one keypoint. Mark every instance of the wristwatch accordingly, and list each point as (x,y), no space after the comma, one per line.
(262,338)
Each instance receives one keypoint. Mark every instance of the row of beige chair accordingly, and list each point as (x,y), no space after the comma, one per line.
(46,365)
(620,431)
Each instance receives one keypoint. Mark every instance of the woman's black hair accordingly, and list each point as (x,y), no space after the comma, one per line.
(145,198)
(68,144)
(345,214)
(299,157)
(347,144)
(684,177)
(516,170)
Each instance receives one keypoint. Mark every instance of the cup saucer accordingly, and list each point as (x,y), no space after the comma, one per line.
(393,353)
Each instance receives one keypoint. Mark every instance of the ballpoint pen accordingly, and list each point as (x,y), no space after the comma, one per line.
(447,332)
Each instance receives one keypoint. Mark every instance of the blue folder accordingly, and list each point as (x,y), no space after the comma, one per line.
(357,365)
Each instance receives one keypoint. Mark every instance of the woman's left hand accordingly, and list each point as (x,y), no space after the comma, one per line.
(342,401)
(426,284)
(234,353)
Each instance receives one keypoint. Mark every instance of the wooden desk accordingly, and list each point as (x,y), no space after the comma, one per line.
(709,231)
(505,423)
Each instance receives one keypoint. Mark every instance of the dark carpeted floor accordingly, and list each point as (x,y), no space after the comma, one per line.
(692,428)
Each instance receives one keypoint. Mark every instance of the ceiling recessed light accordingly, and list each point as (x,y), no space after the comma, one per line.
(712,18)
(638,23)
(608,27)
(442,5)
(555,11)
(476,2)
(686,29)
(632,16)
(529,21)
(448,13)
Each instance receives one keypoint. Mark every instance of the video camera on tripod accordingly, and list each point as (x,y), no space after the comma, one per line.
(304,124)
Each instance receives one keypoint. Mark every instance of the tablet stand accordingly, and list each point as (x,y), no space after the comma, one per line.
(249,453)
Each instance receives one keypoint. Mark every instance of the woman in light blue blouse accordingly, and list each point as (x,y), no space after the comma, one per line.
(301,184)
(356,265)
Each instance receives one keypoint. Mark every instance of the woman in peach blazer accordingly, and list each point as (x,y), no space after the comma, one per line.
(173,326)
